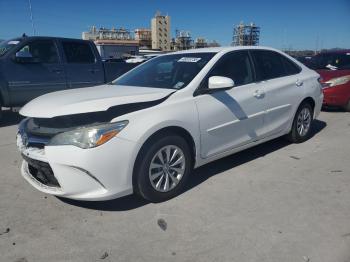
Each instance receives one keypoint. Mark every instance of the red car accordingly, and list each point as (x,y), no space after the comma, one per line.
(334,68)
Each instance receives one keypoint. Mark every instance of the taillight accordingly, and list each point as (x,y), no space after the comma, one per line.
(323,83)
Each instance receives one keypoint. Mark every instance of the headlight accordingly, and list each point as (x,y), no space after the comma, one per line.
(89,137)
(337,81)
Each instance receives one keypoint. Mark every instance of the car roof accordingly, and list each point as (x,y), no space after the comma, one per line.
(225,49)
(45,38)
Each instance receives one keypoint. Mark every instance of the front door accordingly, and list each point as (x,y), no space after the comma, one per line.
(29,80)
(232,118)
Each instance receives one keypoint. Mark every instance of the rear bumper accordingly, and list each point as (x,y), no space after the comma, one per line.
(336,96)
(318,106)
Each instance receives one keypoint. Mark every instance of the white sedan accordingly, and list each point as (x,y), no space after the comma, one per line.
(146,131)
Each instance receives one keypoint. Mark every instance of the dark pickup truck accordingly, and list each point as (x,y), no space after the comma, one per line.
(33,66)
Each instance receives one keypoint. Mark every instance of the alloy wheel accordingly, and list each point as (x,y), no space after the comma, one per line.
(167,168)
(304,121)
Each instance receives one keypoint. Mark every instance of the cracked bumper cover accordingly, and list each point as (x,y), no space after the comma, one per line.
(100,173)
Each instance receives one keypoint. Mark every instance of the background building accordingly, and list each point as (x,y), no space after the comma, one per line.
(246,34)
(200,42)
(213,44)
(112,43)
(144,37)
(107,34)
(115,49)
(121,42)
(183,41)
(161,35)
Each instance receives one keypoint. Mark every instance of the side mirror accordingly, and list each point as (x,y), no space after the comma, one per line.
(25,57)
(220,83)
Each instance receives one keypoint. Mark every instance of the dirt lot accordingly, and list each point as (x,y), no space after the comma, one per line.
(275,202)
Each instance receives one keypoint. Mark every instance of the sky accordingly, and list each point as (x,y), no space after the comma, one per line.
(293,24)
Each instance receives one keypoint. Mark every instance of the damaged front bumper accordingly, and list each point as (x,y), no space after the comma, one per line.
(98,173)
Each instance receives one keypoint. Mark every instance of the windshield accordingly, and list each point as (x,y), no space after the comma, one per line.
(168,71)
(331,61)
(6,46)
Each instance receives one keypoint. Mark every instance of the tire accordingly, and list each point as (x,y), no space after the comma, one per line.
(302,124)
(347,107)
(151,183)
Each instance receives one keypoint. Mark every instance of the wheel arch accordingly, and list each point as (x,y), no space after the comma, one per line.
(174,130)
(310,101)
(307,99)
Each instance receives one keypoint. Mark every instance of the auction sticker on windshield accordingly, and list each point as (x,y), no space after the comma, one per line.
(189,59)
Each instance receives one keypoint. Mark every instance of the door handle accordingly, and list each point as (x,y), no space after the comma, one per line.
(258,94)
(299,83)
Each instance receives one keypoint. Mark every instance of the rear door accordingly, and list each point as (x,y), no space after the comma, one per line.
(29,80)
(282,83)
(83,68)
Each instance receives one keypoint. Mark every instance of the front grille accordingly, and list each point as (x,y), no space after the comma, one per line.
(35,141)
(28,139)
(42,172)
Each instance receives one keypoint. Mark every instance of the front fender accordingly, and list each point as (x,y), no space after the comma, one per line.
(143,124)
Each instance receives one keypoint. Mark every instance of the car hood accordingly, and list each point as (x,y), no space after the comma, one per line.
(91,99)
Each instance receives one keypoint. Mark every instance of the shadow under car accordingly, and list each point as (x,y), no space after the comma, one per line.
(199,175)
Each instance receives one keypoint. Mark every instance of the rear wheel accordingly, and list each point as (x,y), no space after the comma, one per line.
(163,168)
(302,123)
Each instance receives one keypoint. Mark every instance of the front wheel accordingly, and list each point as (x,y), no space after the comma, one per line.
(163,168)
(302,123)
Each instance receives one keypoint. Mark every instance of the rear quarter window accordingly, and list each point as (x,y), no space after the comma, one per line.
(270,65)
(290,67)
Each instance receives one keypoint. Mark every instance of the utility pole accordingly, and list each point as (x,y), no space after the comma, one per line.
(31,16)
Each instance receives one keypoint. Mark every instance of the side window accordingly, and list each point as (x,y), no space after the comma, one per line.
(44,50)
(235,65)
(268,64)
(78,53)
